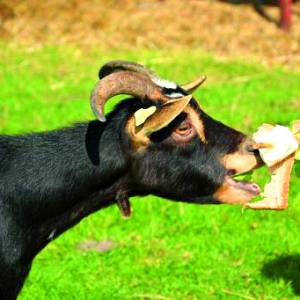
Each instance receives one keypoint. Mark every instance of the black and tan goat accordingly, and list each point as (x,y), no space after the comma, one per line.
(158,142)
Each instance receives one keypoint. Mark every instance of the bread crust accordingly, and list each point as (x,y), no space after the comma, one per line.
(276,192)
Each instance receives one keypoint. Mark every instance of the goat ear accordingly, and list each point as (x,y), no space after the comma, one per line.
(192,86)
(158,119)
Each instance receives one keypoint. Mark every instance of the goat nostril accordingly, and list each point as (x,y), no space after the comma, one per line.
(250,148)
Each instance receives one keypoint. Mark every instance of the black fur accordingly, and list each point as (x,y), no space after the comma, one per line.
(50,181)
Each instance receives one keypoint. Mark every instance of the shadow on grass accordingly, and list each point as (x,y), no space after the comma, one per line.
(286,267)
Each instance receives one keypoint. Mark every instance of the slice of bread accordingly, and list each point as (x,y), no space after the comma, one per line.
(280,140)
(280,158)
(276,192)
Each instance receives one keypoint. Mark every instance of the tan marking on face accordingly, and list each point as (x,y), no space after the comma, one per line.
(138,140)
(196,122)
(230,195)
(240,162)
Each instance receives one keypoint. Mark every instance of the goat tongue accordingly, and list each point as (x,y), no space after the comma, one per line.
(124,204)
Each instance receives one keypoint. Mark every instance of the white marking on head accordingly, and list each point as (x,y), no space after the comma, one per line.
(175,95)
(165,83)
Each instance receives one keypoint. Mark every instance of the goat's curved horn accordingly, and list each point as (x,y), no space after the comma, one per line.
(123,65)
(192,86)
(126,82)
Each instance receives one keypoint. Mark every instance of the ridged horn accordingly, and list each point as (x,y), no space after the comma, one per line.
(123,65)
(192,86)
(129,83)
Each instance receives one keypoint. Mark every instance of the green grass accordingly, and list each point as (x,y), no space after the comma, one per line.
(166,250)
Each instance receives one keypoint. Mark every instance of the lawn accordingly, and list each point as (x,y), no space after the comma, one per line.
(166,250)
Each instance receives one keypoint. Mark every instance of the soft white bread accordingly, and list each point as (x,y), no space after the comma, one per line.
(280,142)
(279,154)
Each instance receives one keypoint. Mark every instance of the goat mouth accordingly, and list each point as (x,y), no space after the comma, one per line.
(250,188)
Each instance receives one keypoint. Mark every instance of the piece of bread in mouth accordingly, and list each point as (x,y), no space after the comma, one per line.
(279,155)
(279,143)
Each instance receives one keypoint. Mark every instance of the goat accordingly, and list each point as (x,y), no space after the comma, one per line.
(50,181)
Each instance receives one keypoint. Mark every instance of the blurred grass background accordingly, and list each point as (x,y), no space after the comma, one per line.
(51,52)
(166,250)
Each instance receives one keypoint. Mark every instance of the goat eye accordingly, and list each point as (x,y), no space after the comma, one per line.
(184,128)
(184,132)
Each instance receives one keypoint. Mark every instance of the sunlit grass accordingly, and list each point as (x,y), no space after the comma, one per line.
(166,250)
